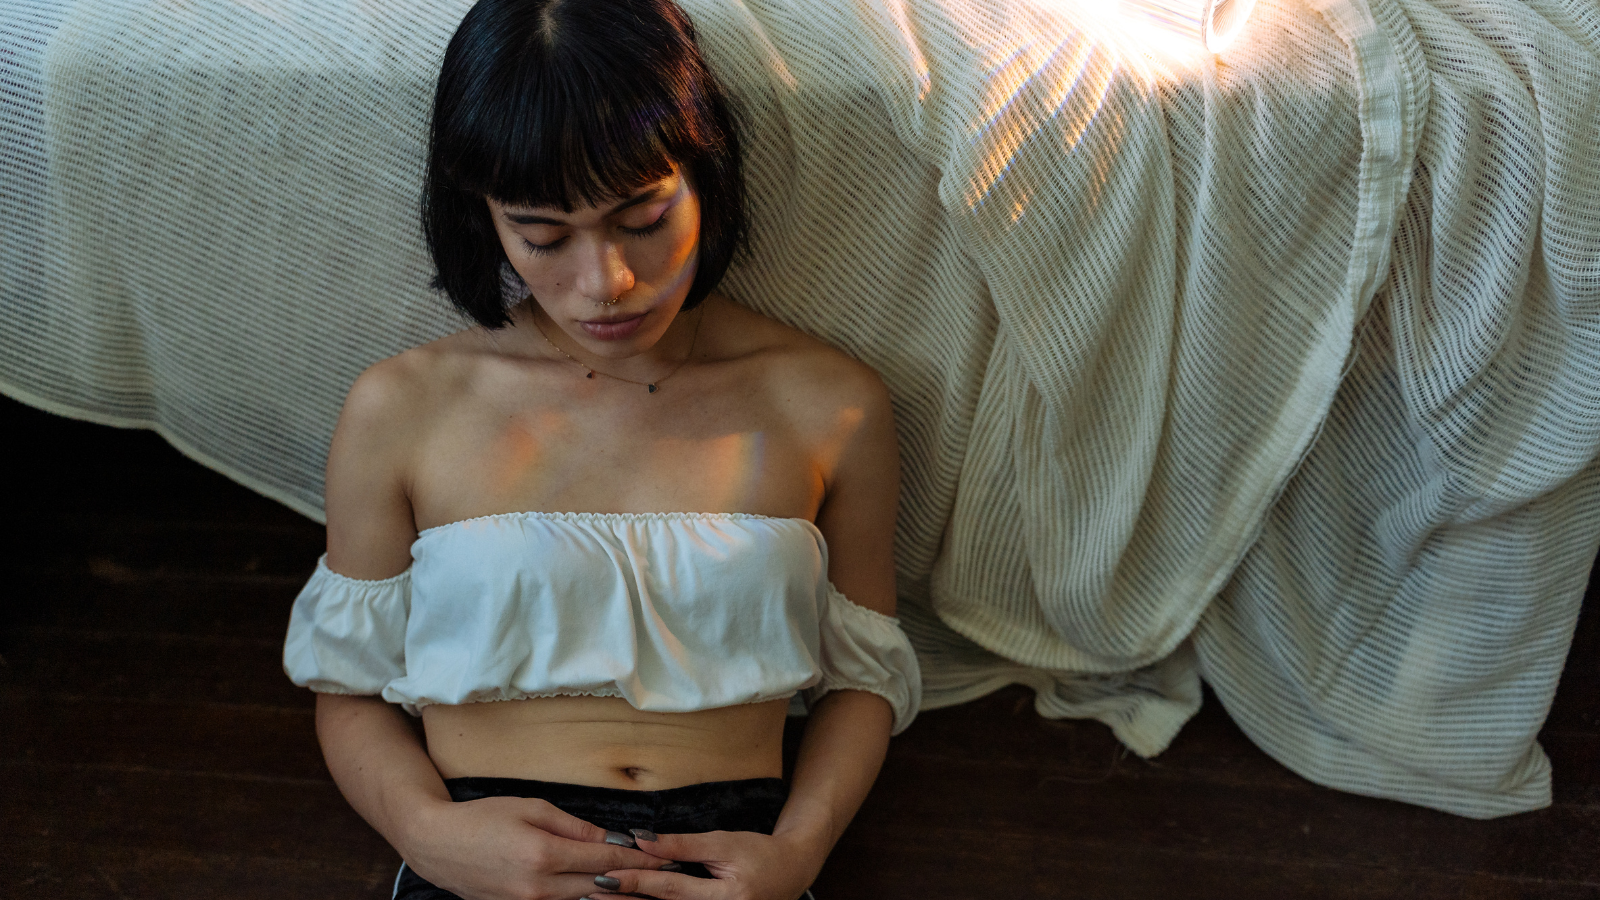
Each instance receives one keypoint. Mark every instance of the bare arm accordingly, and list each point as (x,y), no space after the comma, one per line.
(375,755)
(378,760)
(847,733)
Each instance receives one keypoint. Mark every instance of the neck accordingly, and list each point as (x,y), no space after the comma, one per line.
(655,363)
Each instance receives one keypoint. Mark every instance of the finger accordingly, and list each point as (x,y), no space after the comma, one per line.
(572,884)
(583,856)
(547,816)
(664,885)
(704,847)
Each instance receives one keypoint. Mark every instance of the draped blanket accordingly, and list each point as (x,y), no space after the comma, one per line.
(1275,368)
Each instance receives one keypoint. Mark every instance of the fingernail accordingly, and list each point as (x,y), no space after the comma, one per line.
(672,867)
(620,839)
(644,834)
(607,882)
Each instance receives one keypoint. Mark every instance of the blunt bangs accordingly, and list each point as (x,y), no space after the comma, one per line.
(570,103)
(564,137)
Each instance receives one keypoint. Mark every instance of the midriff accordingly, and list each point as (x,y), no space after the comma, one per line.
(605,742)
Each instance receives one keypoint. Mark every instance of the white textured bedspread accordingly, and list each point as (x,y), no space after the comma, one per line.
(1277,368)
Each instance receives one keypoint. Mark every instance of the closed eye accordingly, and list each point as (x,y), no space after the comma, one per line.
(544,249)
(652,228)
(642,231)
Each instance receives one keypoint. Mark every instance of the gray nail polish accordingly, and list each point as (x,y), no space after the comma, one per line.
(607,882)
(620,839)
(672,867)
(643,834)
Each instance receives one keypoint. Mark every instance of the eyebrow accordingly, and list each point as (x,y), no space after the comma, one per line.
(643,197)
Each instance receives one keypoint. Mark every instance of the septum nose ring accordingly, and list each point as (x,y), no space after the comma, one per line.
(612,302)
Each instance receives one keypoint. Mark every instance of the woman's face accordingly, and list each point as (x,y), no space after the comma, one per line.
(639,251)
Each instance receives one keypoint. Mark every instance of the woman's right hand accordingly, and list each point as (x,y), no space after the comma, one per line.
(510,848)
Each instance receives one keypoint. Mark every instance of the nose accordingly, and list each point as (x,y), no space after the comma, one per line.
(604,274)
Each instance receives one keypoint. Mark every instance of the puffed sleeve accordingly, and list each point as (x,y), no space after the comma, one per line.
(864,650)
(348,635)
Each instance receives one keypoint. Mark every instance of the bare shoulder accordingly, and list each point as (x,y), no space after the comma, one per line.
(389,410)
(840,407)
(393,406)
(802,372)
(397,395)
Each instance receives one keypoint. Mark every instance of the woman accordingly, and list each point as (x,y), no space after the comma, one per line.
(622,505)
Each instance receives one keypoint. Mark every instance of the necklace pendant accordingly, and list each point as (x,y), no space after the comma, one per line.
(590,375)
(651,387)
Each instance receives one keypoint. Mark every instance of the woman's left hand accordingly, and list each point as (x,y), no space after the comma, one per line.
(746,865)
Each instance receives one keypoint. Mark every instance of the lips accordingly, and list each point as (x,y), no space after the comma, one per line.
(613,329)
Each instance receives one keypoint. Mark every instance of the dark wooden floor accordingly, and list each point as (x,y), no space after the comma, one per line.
(152,748)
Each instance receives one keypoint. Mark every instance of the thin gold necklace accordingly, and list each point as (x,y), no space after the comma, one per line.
(652,385)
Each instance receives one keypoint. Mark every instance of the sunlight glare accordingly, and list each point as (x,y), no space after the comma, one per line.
(1214,23)
(1173,31)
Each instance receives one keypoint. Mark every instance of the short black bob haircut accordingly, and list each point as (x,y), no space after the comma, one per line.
(565,103)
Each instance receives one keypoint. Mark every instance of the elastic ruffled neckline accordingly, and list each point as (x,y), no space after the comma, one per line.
(619,517)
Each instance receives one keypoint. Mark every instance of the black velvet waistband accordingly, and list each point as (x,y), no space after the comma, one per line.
(748,805)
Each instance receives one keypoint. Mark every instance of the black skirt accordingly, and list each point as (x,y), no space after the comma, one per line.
(749,805)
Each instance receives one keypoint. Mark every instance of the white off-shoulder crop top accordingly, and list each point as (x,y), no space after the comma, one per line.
(673,612)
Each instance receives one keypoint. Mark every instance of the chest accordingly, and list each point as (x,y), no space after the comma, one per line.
(701,444)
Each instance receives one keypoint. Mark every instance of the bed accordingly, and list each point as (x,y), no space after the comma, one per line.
(1272,369)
